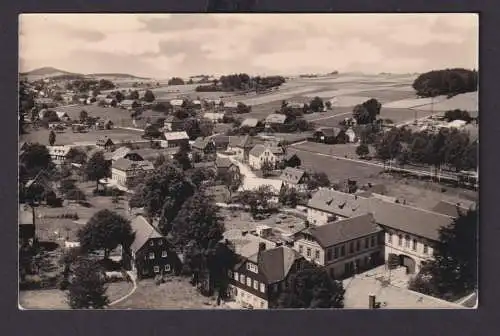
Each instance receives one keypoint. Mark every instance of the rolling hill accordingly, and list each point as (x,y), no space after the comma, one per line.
(51,72)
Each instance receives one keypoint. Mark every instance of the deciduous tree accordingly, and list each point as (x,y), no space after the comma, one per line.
(87,288)
(96,168)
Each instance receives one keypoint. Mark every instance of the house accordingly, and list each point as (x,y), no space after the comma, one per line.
(451,209)
(101,97)
(105,142)
(292,160)
(117,154)
(62,115)
(148,154)
(215,117)
(230,107)
(250,123)
(177,104)
(225,165)
(196,103)
(294,178)
(58,154)
(257,281)
(110,102)
(343,247)
(241,146)
(150,252)
(351,135)
(327,135)
(276,122)
(175,139)
(126,172)
(219,193)
(173,124)
(129,104)
(205,147)
(261,153)
(44,102)
(26,224)
(221,141)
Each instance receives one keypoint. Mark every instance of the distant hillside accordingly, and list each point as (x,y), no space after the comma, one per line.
(50,72)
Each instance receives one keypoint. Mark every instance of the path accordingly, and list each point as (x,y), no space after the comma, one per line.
(130,128)
(132,276)
(378,165)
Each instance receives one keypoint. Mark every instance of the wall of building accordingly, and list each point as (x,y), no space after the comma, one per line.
(406,246)
(316,255)
(317,217)
(119,176)
(243,297)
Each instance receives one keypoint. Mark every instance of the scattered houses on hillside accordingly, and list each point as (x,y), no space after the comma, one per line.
(151,253)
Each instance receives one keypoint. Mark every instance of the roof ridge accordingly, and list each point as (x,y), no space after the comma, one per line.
(371,199)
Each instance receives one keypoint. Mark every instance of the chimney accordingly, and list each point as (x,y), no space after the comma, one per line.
(371,301)
(262,246)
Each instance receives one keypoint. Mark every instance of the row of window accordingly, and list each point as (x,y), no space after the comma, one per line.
(164,254)
(253,297)
(249,282)
(407,241)
(340,251)
(156,269)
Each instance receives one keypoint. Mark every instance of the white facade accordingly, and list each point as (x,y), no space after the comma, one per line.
(401,243)
(119,176)
(243,298)
(318,217)
(256,161)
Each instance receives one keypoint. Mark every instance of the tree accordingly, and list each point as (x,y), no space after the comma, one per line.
(446,82)
(119,96)
(317,180)
(316,105)
(97,168)
(389,146)
(231,179)
(83,116)
(149,96)
(362,150)
(52,138)
(162,194)
(457,115)
(206,127)
(328,105)
(134,95)
(367,112)
(289,196)
(87,288)
(453,271)
(257,200)
(76,155)
(455,149)
(266,168)
(192,128)
(311,287)
(182,158)
(202,175)
(176,81)
(152,132)
(35,158)
(105,230)
(198,221)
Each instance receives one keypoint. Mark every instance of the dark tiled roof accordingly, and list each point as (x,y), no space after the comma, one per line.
(450,209)
(143,232)
(292,175)
(201,142)
(250,122)
(103,140)
(275,264)
(336,202)
(223,162)
(257,150)
(125,164)
(344,230)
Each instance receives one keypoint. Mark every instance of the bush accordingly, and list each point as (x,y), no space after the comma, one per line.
(73,216)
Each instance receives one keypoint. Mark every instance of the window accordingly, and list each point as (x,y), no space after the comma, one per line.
(236,276)
(389,238)
(301,249)
(316,254)
(167,268)
(242,278)
(255,285)
(358,245)
(351,247)
(407,241)
(342,251)
(400,240)
(426,249)
(336,253)
(329,254)
(308,252)
(366,242)
(152,243)
(262,288)
(249,282)
(164,254)
(151,255)
(414,247)
(372,241)
(160,242)
(156,269)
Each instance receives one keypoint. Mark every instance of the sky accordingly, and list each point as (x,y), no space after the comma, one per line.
(167,45)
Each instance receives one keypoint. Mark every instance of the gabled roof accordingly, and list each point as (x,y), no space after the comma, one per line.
(214,115)
(275,118)
(201,142)
(223,162)
(125,164)
(118,153)
(292,175)
(450,209)
(329,131)
(339,203)
(176,135)
(176,102)
(231,104)
(58,150)
(337,232)
(25,215)
(250,122)
(275,264)
(408,219)
(149,153)
(143,232)
(257,150)
(220,139)
(104,140)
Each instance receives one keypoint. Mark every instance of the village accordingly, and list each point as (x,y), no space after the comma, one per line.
(288,178)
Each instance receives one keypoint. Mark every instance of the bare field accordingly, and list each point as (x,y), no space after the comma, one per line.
(69,138)
(388,95)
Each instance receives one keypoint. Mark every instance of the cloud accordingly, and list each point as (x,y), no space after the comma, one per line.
(164,45)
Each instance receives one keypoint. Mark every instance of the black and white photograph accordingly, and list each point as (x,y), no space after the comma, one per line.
(248,161)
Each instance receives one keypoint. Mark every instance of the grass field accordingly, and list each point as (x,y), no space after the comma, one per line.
(69,138)
(176,293)
(56,299)
(388,95)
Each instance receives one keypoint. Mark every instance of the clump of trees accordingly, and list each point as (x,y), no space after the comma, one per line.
(457,115)
(87,288)
(242,82)
(367,112)
(448,82)
(176,81)
(97,168)
(452,273)
(317,180)
(149,96)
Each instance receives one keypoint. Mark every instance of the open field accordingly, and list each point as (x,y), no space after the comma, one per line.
(176,293)
(413,102)
(467,101)
(69,138)
(240,220)
(56,299)
(387,95)
(115,114)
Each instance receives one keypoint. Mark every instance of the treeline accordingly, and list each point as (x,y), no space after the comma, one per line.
(448,82)
(242,82)
(86,85)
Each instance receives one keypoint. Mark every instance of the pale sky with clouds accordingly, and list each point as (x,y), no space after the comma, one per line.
(164,45)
